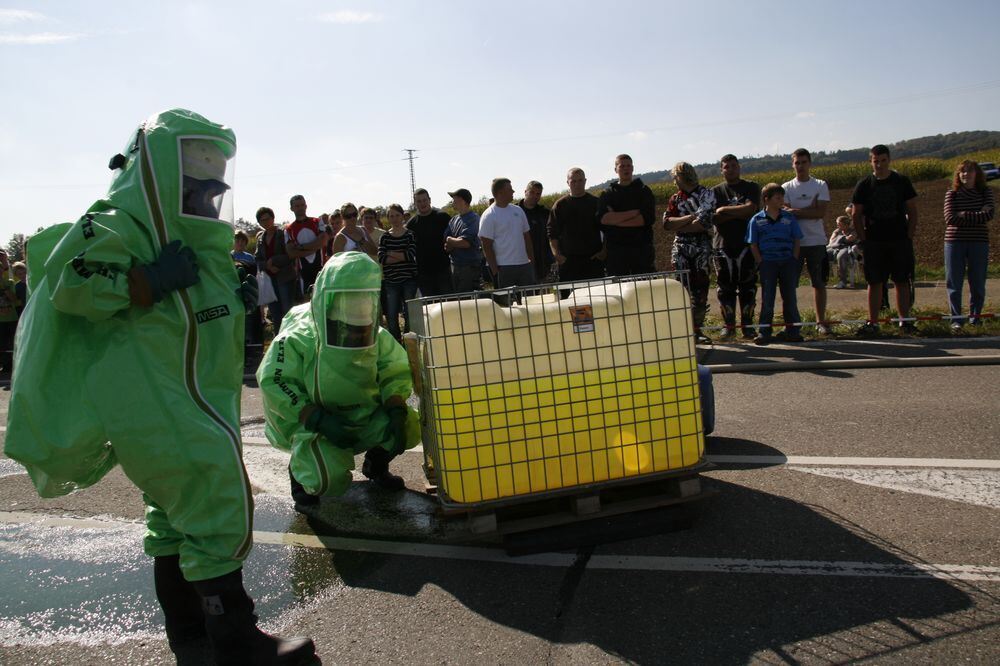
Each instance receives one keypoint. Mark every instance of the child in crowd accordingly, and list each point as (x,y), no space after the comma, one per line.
(254,325)
(240,254)
(8,315)
(774,235)
(843,250)
(20,272)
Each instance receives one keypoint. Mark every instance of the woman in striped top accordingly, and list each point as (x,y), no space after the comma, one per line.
(397,252)
(968,206)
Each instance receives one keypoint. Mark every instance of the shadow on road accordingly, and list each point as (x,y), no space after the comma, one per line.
(656,616)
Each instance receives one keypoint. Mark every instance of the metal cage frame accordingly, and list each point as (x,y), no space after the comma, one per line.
(574,393)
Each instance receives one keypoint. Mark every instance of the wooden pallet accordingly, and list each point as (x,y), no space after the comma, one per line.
(596,513)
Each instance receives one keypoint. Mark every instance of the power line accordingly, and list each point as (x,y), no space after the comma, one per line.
(241,176)
(902,99)
(861,104)
(325,170)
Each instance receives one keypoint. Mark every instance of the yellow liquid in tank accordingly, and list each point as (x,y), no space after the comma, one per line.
(529,436)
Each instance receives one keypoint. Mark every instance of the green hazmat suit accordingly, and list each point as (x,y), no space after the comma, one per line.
(37,251)
(305,367)
(154,387)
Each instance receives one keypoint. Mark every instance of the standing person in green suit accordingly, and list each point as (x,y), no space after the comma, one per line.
(131,355)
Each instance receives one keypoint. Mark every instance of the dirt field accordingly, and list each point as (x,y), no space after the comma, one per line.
(929,244)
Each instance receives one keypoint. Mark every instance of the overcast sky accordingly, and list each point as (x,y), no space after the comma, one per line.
(324,96)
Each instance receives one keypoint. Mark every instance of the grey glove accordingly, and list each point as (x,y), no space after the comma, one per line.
(175,268)
(328,425)
(397,428)
(248,290)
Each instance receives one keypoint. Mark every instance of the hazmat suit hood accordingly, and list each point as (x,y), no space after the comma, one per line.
(344,314)
(345,301)
(159,167)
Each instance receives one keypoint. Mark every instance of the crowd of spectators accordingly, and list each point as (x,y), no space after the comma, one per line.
(13,295)
(741,233)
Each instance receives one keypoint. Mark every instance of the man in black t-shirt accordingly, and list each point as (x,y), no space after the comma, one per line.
(538,218)
(885,220)
(626,214)
(575,232)
(736,271)
(433,264)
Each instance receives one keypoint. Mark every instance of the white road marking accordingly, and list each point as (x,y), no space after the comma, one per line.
(836,461)
(980,487)
(267,469)
(944,463)
(10,467)
(965,572)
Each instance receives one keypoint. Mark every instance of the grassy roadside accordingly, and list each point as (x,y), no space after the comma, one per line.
(923,273)
(925,329)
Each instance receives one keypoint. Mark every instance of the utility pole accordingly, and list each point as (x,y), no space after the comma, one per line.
(413,180)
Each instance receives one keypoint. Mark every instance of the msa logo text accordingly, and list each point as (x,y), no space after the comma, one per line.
(212,313)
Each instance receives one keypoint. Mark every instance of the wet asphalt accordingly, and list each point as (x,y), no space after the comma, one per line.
(758,577)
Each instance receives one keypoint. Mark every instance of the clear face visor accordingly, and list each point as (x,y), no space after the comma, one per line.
(351,318)
(206,179)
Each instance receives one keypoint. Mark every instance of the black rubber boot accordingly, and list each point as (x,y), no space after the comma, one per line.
(185,622)
(232,628)
(299,494)
(376,469)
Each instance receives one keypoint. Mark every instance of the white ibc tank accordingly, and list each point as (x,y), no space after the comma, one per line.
(614,324)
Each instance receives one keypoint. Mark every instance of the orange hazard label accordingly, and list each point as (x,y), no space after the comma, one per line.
(583,318)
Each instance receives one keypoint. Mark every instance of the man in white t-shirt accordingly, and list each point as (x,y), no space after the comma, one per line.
(506,238)
(806,198)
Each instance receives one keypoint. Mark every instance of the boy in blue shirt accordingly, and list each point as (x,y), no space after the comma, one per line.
(773,235)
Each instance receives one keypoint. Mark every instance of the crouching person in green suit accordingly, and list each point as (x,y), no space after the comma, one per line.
(335,385)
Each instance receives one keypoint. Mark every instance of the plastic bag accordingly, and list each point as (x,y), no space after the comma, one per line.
(266,290)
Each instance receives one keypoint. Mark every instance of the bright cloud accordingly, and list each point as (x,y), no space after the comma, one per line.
(805,114)
(18,15)
(350,16)
(638,135)
(39,38)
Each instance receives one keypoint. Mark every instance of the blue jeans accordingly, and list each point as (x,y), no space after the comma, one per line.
(959,256)
(279,308)
(394,297)
(775,274)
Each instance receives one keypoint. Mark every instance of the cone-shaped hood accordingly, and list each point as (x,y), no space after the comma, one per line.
(349,271)
(341,364)
(148,183)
